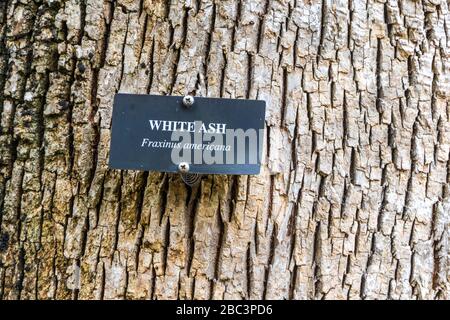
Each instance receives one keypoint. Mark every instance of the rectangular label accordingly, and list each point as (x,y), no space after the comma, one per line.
(214,135)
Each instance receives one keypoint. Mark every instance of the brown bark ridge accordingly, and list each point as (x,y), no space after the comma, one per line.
(353,200)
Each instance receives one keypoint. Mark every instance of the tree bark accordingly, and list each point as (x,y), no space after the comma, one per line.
(353,199)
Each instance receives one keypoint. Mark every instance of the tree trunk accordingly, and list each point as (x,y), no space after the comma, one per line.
(353,199)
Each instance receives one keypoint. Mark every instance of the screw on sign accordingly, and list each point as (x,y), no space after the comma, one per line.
(188,101)
(190,179)
(183,167)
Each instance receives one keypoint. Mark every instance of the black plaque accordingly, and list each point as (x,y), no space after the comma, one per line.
(214,135)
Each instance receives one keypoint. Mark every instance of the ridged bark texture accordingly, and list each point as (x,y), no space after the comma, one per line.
(353,199)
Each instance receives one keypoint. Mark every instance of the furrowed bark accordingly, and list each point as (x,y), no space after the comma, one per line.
(353,199)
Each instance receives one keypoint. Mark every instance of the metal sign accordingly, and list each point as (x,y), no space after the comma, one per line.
(187,134)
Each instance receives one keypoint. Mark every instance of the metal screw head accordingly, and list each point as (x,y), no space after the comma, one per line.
(188,101)
(183,167)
